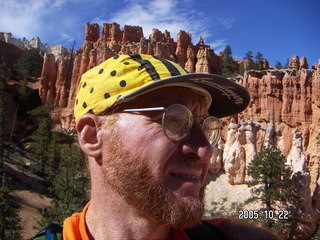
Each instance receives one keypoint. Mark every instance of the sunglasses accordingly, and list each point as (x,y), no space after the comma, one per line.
(178,120)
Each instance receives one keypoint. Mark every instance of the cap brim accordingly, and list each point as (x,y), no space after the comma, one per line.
(228,97)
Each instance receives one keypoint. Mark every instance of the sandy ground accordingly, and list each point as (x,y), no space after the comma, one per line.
(30,204)
(221,195)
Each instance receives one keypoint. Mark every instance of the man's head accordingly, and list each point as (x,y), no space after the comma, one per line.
(161,177)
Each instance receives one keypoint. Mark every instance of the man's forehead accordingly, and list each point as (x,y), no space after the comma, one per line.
(169,95)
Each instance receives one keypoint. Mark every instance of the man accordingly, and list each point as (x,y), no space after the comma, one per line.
(147,128)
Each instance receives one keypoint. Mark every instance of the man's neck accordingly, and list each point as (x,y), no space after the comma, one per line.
(115,219)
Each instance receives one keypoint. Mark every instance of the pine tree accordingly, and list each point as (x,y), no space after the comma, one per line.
(259,61)
(271,180)
(248,56)
(259,57)
(71,182)
(61,164)
(9,220)
(41,139)
(69,186)
(227,62)
(278,65)
(2,104)
(249,59)
(3,190)
(24,93)
(286,66)
(29,64)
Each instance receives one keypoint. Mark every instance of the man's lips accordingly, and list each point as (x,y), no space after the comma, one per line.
(185,182)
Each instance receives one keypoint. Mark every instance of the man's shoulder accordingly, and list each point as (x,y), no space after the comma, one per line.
(73,220)
(74,227)
(71,227)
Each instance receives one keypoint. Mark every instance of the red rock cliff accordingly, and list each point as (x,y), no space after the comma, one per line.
(291,93)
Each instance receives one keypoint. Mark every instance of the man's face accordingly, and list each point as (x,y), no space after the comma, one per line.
(162,179)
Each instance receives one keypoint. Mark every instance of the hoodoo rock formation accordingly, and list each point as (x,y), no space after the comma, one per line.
(48,78)
(284,107)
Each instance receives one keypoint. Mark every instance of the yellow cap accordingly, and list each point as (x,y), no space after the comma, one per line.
(122,78)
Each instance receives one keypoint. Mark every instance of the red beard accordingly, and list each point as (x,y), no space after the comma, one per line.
(137,186)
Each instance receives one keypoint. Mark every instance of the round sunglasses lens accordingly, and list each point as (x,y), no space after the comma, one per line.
(212,128)
(177,122)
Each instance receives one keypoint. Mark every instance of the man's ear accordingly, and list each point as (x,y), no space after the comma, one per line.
(88,135)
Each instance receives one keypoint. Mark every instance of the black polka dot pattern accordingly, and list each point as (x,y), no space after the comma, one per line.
(123,83)
(113,73)
(114,80)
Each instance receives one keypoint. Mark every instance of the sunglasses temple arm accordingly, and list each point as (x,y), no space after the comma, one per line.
(145,109)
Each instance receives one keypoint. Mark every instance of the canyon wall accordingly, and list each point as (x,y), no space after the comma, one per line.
(284,107)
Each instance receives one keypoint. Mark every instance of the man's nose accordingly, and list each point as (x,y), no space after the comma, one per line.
(196,144)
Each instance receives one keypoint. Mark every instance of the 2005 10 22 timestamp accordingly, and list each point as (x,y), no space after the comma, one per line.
(267,214)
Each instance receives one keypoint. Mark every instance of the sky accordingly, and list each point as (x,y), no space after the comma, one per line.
(279,29)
